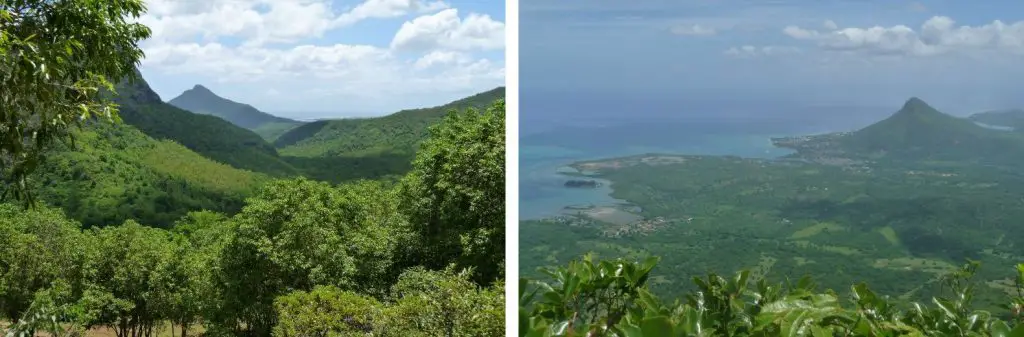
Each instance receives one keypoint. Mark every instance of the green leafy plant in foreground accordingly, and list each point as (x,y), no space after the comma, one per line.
(55,61)
(611,298)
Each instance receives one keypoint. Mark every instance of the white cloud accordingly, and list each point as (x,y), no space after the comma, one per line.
(798,33)
(752,51)
(267,21)
(445,30)
(693,30)
(388,9)
(256,21)
(439,57)
(353,68)
(938,35)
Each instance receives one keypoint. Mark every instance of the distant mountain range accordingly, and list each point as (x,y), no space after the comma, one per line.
(201,100)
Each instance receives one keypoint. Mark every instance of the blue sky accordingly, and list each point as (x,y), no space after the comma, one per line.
(958,55)
(326,58)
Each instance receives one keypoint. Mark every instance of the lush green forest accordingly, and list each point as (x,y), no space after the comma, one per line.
(115,172)
(899,204)
(123,215)
(201,100)
(421,256)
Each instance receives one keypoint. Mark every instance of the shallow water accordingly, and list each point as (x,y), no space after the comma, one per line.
(544,156)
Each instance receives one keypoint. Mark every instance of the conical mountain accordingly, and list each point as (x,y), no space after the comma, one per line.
(201,100)
(919,131)
(210,136)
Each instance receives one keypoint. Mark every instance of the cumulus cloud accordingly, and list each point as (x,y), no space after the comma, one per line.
(445,30)
(938,35)
(388,9)
(693,30)
(339,62)
(263,43)
(267,21)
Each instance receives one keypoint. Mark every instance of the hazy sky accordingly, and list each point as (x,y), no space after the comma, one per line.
(312,58)
(954,54)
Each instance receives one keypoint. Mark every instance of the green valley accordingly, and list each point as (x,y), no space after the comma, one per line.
(124,215)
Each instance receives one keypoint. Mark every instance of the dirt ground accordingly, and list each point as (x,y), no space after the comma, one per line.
(162,331)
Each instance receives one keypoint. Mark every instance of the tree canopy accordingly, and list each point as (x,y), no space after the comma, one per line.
(56,60)
(302,257)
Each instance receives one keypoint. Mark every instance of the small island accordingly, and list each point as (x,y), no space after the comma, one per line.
(582,184)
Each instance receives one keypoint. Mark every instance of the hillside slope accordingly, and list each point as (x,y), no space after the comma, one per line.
(397,134)
(210,136)
(201,100)
(115,172)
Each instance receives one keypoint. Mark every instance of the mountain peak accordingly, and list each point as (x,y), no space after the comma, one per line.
(202,100)
(915,104)
(199,88)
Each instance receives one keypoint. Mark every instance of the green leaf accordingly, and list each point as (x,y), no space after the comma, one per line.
(657,326)
(559,328)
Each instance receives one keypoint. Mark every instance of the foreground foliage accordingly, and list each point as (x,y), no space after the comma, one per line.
(611,298)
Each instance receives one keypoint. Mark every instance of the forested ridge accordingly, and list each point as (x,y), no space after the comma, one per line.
(121,214)
(397,133)
(207,135)
(394,138)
